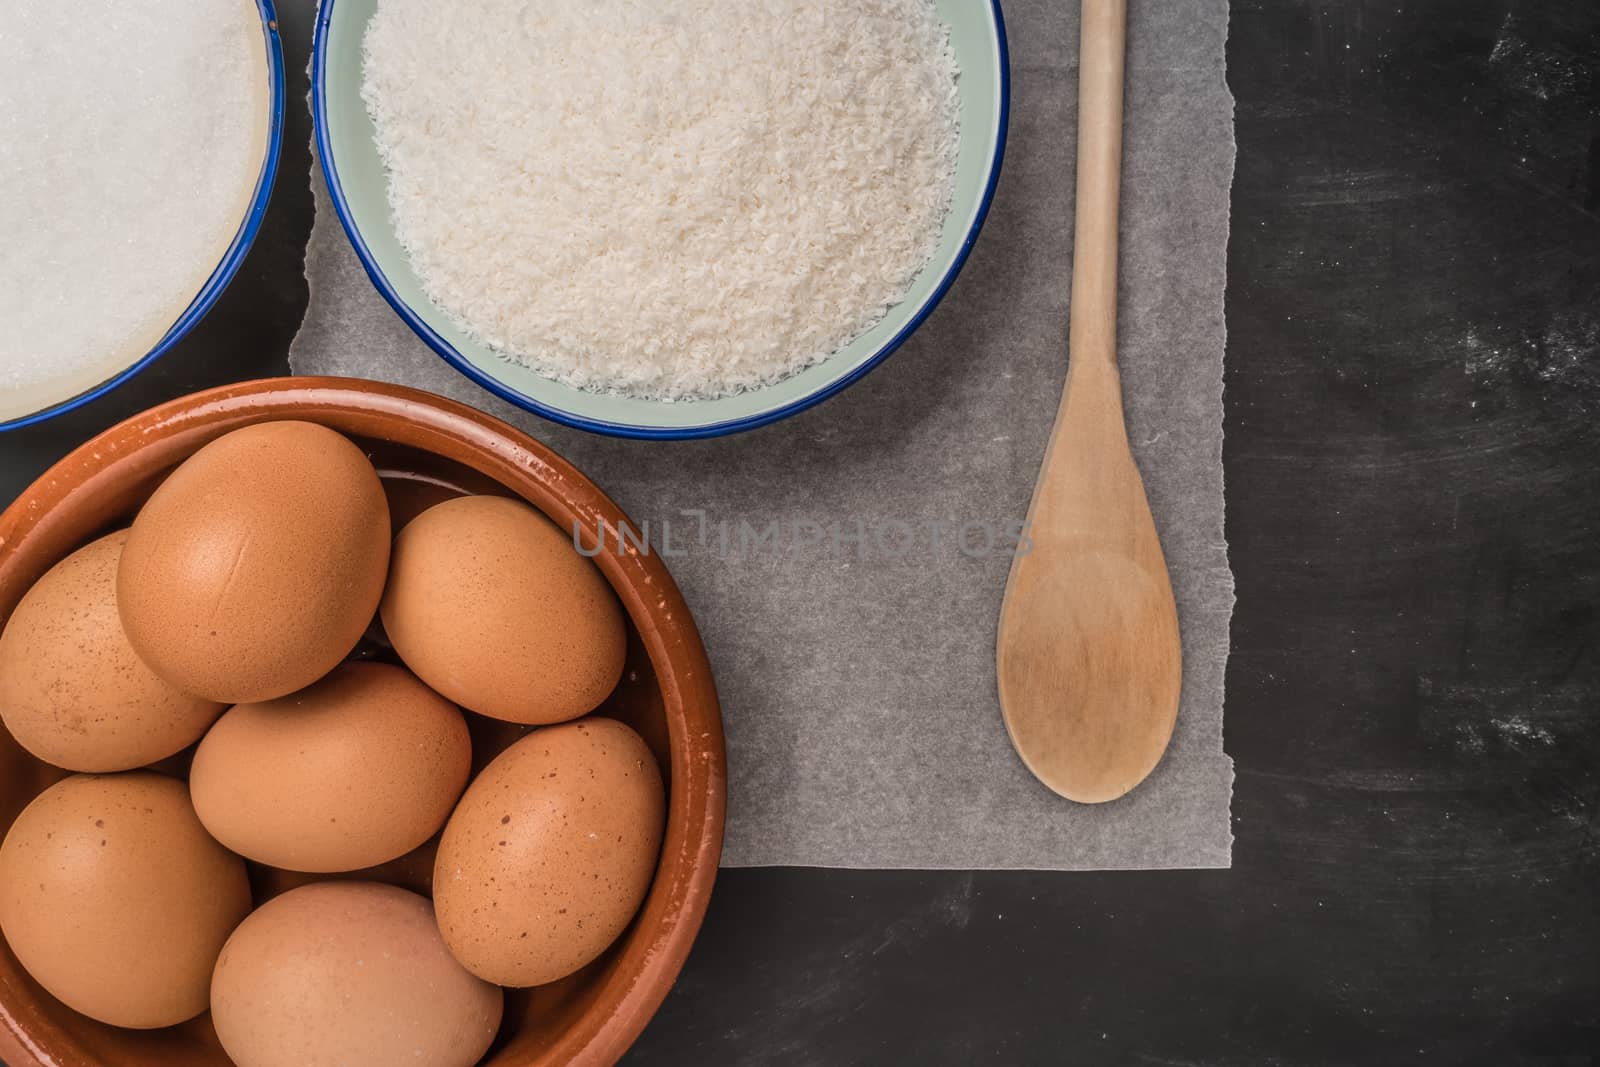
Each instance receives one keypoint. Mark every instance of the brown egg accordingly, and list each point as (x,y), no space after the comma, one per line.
(114,897)
(72,690)
(257,565)
(348,974)
(550,853)
(492,606)
(360,768)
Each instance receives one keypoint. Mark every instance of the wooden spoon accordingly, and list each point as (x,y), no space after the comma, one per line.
(1088,654)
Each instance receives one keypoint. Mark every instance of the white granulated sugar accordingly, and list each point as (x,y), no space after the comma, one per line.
(131,138)
(665,198)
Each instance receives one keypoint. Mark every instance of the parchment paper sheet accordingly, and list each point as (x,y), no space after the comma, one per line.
(858,689)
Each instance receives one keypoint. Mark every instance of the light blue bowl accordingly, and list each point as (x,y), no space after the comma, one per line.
(231,259)
(358,186)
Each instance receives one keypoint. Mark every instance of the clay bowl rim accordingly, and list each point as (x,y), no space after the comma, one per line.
(153,441)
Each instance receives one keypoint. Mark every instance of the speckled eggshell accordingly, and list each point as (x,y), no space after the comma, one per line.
(114,897)
(257,565)
(490,603)
(360,768)
(348,974)
(550,853)
(72,690)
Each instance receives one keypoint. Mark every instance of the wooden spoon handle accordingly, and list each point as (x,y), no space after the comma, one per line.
(1094,263)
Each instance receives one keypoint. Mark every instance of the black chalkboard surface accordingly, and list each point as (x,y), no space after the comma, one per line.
(1413,464)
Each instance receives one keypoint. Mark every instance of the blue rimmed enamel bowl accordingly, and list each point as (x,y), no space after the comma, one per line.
(357,185)
(74,392)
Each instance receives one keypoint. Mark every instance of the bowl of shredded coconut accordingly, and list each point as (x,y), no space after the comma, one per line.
(141,140)
(661,218)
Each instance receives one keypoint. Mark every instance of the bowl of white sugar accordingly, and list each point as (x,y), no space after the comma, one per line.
(141,140)
(680,218)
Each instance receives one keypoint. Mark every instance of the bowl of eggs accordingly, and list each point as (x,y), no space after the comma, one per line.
(334,734)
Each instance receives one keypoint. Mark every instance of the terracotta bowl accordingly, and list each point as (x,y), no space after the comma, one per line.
(427,449)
